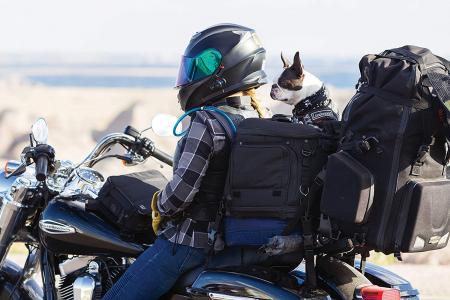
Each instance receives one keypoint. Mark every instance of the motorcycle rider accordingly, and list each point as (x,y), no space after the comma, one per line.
(221,68)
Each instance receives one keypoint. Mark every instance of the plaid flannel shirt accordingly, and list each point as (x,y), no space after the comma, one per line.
(205,137)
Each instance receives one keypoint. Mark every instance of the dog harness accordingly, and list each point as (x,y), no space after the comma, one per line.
(314,109)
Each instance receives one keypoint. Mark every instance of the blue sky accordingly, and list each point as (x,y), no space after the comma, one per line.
(331,28)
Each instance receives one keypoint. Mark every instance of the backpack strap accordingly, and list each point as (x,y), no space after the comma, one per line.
(226,122)
(310,210)
(215,228)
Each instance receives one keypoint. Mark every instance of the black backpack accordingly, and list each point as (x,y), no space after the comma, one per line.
(271,168)
(386,188)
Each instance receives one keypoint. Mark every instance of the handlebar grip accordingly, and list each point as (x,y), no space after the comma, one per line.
(164,157)
(41,167)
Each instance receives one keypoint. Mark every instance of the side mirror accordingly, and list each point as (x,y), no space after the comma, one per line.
(39,131)
(162,124)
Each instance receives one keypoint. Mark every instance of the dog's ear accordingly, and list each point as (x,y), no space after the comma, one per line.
(285,60)
(297,66)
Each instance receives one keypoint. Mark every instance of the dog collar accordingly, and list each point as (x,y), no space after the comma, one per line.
(318,99)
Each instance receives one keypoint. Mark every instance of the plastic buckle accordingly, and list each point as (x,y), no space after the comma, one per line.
(423,150)
(368,143)
(211,237)
(307,153)
(416,169)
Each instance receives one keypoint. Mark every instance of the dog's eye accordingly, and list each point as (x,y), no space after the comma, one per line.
(282,83)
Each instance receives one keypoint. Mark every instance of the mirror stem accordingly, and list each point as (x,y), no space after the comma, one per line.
(146,129)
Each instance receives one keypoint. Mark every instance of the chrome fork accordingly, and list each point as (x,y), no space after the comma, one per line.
(10,213)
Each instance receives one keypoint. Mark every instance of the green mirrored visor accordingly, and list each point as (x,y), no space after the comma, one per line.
(196,68)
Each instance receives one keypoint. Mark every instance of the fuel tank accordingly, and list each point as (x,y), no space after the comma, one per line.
(65,229)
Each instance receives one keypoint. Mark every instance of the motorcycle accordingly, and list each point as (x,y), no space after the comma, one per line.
(74,254)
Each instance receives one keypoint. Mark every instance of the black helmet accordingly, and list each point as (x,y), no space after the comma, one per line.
(220,61)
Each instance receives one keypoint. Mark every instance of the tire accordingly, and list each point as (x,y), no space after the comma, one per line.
(339,276)
(9,292)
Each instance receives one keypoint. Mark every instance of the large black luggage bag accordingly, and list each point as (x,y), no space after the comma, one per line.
(386,187)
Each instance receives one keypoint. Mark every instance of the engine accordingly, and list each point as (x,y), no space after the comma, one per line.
(87,277)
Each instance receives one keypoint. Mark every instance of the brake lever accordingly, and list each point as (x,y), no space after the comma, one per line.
(18,171)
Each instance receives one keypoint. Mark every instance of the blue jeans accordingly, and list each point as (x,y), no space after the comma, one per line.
(155,271)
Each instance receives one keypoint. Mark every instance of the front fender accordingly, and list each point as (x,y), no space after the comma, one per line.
(10,273)
(5,183)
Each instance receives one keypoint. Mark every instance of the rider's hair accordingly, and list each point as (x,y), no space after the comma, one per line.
(256,104)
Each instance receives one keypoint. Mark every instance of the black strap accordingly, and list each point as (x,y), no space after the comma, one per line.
(308,195)
(308,246)
(417,58)
(203,212)
(312,210)
(424,149)
(362,266)
(309,201)
(385,95)
(215,226)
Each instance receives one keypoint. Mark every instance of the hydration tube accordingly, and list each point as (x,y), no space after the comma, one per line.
(210,108)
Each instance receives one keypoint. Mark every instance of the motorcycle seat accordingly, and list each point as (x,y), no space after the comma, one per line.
(236,258)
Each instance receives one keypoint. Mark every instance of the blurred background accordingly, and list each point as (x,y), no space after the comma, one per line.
(93,67)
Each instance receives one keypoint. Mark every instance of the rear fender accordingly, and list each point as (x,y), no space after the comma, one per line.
(383,277)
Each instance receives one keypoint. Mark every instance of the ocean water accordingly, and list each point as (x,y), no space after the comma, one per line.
(339,80)
(104,81)
(337,74)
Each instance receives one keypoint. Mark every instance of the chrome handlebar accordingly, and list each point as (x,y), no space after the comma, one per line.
(105,145)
